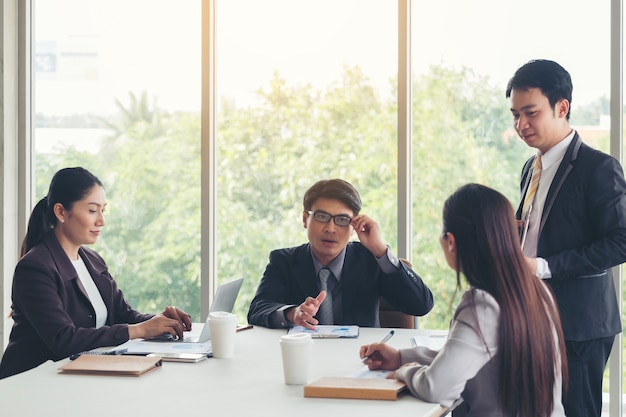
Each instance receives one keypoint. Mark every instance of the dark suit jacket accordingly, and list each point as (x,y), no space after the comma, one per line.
(582,235)
(53,317)
(290,277)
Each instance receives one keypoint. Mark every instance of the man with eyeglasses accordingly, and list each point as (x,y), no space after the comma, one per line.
(330,280)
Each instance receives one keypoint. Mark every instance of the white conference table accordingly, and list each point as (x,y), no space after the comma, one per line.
(251,383)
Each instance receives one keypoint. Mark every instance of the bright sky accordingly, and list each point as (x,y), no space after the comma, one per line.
(154,45)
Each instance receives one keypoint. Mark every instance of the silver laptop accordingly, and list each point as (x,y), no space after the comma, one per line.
(224,300)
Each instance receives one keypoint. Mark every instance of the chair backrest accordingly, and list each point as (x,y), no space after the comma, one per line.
(394,318)
(391,316)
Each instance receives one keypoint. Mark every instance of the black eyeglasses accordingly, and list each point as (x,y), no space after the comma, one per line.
(323,217)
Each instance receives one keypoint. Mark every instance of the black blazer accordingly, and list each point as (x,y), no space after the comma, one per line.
(290,277)
(582,235)
(53,317)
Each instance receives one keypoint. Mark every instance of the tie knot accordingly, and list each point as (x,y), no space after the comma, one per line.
(327,280)
(537,163)
(324,274)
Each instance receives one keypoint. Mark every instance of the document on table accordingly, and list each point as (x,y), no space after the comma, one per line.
(327,331)
(145,347)
(365,372)
(434,340)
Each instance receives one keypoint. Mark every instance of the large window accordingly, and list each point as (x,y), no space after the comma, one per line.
(462,126)
(304,90)
(116,93)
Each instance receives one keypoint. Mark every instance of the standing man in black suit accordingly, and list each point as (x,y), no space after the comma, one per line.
(575,229)
(359,273)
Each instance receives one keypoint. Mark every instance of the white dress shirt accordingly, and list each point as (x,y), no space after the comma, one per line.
(550,162)
(92,292)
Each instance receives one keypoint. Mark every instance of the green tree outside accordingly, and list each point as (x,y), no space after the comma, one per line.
(269,153)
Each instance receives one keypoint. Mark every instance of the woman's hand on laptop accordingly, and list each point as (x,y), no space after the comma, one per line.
(172,320)
(176,313)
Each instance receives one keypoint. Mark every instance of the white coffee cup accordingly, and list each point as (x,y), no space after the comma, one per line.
(223,327)
(296,351)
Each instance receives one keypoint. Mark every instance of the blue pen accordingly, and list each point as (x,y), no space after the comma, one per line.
(385,339)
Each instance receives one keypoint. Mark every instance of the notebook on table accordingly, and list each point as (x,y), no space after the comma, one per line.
(111,365)
(361,384)
(344,387)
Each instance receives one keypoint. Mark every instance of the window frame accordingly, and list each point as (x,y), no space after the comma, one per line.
(16,187)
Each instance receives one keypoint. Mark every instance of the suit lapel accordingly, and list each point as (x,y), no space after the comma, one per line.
(304,271)
(526,181)
(562,172)
(67,272)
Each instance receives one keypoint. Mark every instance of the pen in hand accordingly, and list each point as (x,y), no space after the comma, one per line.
(385,339)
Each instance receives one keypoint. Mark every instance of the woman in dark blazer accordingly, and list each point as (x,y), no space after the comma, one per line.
(64,300)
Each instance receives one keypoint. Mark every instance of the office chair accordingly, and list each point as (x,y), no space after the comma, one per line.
(391,316)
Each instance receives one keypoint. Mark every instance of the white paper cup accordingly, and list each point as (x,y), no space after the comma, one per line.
(223,327)
(296,351)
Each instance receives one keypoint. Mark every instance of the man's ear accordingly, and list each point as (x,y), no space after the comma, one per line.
(305,218)
(562,107)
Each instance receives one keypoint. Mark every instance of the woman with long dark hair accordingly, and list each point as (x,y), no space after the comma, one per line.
(504,354)
(64,300)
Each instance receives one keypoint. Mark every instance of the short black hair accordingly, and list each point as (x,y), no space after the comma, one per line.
(336,189)
(551,78)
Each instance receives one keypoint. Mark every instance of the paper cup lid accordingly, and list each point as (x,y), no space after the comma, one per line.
(297,338)
(221,315)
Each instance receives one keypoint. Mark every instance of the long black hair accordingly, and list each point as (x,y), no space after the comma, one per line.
(68,185)
(489,255)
